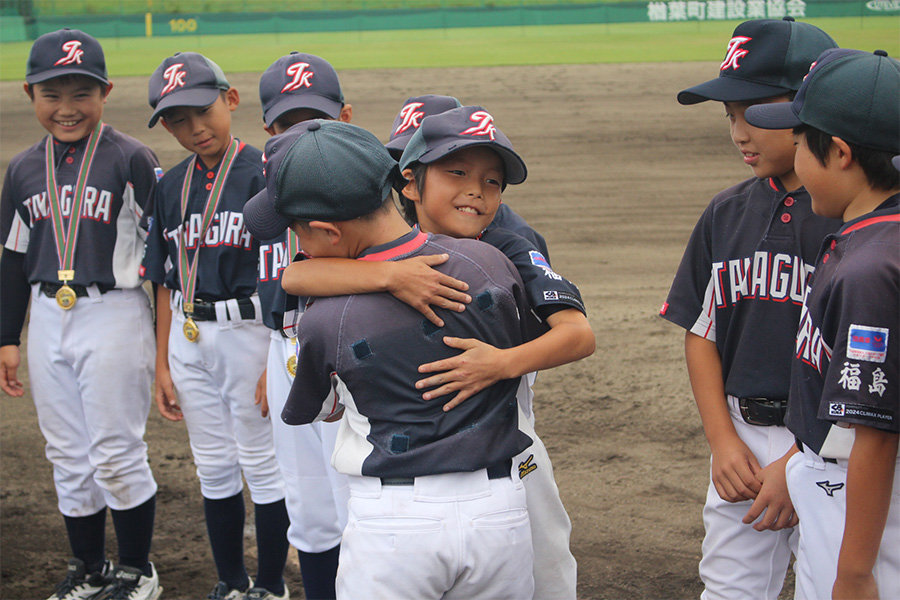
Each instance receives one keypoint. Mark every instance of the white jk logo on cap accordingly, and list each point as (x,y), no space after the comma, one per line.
(175,77)
(73,48)
(411,117)
(300,77)
(735,52)
(485,124)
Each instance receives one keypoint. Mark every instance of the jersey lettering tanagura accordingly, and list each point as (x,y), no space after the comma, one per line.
(373,345)
(274,257)
(847,351)
(742,278)
(228,263)
(110,243)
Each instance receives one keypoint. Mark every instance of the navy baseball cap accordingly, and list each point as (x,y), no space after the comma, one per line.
(848,93)
(450,131)
(410,118)
(65,52)
(764,58)
(185,79)
(321,170)
(300,80)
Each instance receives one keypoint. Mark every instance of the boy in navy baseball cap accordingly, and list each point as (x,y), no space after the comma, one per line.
(457,163)
(90,326)
(845,384)
(211,342)
(737,294)
(410,117)
(298,87)
(334,182)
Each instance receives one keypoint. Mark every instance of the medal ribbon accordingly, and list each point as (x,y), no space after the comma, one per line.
(187,269)
(66,240)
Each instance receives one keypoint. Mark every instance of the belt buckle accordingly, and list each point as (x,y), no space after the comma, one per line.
(762,412)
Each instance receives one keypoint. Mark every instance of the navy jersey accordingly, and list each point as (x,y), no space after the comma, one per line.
(373,344)
(227,267)
(546,290)
(847,353)
(274,257)
(110,242)
(742,278)
(507,218)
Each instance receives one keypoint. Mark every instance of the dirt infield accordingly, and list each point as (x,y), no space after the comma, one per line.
(618,175)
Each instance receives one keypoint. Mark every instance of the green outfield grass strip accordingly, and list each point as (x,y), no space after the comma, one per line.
(489,46)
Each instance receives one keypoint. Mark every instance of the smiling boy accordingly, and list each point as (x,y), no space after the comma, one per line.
(70,225)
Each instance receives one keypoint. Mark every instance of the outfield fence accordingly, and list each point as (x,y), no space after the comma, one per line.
(21,20)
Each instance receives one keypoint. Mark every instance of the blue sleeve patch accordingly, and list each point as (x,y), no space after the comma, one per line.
(538,260)
(867,343)
(159,172)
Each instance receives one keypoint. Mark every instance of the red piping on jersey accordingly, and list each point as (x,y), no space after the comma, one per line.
(772,184)
(390,253)
(872,221)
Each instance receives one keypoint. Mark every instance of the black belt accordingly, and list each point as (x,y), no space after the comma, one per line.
(496,471)
(206,311)
(50,289)
(763,411)
(800,447)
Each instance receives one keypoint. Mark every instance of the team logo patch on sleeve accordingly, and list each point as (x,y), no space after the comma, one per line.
(538,260)
(867,343)
(159,172)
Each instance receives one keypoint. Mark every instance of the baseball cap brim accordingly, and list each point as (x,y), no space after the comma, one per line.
(261,220)
(896,161)
(778,115)
(50,74)
(190,97)
(514,166)
(296,101)
(729,89)
(398,144)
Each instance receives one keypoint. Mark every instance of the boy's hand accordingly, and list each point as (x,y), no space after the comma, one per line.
(260,398)
(416,283)
(773,498)
(9,366)
(166,401)
(479,366)
(734,469)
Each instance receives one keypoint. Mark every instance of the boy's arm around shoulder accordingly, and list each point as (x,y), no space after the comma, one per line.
(413,281)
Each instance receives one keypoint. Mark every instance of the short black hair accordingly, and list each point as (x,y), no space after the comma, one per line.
(407,206)
(876,164)
(290,118)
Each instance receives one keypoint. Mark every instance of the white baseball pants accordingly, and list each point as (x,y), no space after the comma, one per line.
(215,379)
(91,371)
(818,491)
(740,563)
(316,494)
(453,536)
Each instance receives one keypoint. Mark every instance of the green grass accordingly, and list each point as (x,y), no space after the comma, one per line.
(48,8)
(563,44)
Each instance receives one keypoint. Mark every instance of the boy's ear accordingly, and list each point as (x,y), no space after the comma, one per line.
(232,98)
(28,90)
(346,113)
(165,125)
(842,152)
(333,232)
(105,91)
(270,130)
(410,190)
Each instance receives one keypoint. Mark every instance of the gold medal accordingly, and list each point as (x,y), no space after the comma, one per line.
(191,331)
(65,297)
(292,365)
